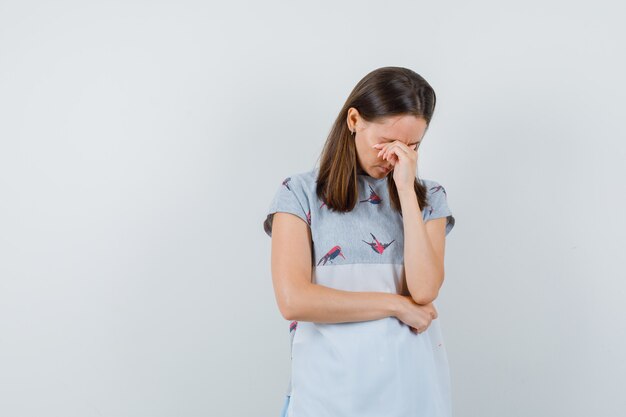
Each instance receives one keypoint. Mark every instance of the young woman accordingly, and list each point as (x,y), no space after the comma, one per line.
(358,259)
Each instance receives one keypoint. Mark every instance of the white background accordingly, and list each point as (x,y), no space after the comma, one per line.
(142,141)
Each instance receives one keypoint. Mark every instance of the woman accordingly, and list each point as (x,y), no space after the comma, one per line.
(358,259)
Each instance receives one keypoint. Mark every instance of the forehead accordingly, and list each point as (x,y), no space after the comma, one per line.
(406,128)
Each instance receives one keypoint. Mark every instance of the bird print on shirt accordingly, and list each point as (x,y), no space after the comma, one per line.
(332,254)
(373,198)
(377,246)
(439,188)
(435,189)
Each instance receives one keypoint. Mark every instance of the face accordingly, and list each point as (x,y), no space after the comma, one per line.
(408,129)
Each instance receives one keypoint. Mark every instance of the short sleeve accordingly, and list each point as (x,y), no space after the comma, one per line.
(438,205)
(289,198)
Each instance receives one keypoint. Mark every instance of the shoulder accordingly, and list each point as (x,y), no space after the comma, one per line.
(294,194)
(303,182)
(305,177)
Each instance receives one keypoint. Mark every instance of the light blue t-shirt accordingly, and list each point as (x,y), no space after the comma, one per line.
(370,368)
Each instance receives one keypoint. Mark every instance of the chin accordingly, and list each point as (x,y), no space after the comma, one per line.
(380,172)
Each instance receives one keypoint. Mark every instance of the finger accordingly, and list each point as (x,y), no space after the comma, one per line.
(404,145)
(383,147)
(392,157)
(392,148)
(400,152)
(388,151)
(385,152)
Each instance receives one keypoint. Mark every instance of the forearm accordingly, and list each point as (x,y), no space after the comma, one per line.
(318,303)
(423,274)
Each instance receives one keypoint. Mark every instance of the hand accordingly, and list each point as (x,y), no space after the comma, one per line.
(404,161)
(418,317)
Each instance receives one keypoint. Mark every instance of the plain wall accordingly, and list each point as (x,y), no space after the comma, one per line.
(141,143)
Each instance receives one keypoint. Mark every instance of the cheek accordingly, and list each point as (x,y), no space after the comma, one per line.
(373,155)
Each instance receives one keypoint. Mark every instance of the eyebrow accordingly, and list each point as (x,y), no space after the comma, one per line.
(409,143)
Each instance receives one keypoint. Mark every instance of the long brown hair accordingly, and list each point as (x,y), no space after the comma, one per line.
(386,91)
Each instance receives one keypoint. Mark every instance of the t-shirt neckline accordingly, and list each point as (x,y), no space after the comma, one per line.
(370,178)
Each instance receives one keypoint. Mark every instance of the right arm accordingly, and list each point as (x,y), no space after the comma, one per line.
(300,299)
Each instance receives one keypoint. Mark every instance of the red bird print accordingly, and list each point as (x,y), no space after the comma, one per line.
(292,326)
(308,217)
(373,198)
(332,254)
(377,246)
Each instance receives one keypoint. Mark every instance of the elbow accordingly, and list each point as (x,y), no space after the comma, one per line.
(290,313)
(426,294)
(425,297)
(287,310)
(290,305)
